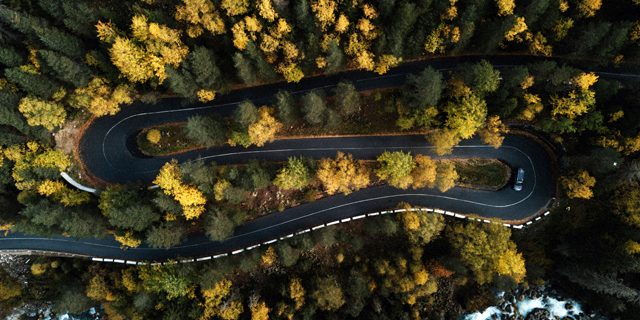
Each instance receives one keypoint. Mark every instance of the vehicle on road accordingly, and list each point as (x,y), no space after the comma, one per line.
(519,179)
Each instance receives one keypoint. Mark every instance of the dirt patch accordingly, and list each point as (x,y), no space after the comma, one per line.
(68,137)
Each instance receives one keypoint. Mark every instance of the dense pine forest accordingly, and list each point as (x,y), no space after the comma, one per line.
(66,63)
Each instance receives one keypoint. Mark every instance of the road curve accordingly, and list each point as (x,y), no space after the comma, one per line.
(109,152)
(517,151)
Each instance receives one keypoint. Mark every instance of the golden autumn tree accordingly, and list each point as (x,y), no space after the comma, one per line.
(492,132)
(343,174)
(265,129)
(191,199)
(200,14)
(424,173)
(260,311)
(325,12)
(100,98)
(245,30)
(145,55)
(38,112)
(578,184)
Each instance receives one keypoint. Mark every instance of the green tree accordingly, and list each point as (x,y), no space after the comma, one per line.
(244,68)
(395,168)
(166,235)
(42,113)
(65,69)
(347,98)
(208,131)
(218,224)
(10,57)
(466,115)
(335,58)
(245,115)
(481,77)
(294,175)
(285,103)
(31,82)
(424,89)
(58,40)
(126,207)
(314,108)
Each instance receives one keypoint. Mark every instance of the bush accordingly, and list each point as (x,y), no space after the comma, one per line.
(154,136)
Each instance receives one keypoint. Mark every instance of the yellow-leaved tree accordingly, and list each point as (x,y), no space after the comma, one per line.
(144,56)
(191,199)
(39,112)
(200,14)
(424,173)
(265,129)
(99,97)
(578,184)
(492,132)
(343,174)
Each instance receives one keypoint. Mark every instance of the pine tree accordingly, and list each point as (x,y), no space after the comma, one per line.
(202,64)
(10,57)
(287,112)
(66,69)
(423,89)
(245,115)
(81,17)
(58,40)
(335,58)
(34,83)
(314,108)
(347,98)
(208,131)
(245,69)
(182,82)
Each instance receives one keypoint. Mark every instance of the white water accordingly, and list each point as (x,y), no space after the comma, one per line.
(555,307)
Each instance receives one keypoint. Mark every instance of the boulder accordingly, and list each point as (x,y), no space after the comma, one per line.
(538,314)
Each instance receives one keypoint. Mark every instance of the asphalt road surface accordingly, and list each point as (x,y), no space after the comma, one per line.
(109,152)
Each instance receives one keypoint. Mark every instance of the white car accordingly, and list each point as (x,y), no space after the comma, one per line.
(519,178)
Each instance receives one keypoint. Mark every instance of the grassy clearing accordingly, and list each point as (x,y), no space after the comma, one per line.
(482,172)
(173,140)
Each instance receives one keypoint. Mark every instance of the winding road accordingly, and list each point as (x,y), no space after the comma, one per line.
(109,152)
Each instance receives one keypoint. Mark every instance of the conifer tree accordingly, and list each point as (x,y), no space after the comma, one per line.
(287,112)
(314,108)
(208,131)
(347,98)
(10,57)
(245,69)
(66,69)
(245,115)
(58,40)
(34,83)
(81,17)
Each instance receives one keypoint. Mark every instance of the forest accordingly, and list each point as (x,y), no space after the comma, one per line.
(66,63)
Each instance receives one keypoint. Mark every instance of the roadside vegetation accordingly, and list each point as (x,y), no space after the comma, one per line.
(67,62)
